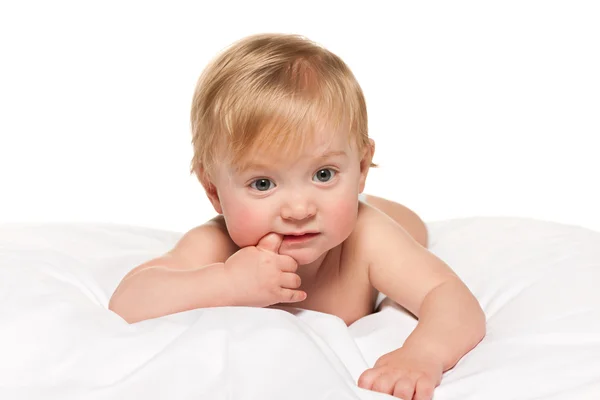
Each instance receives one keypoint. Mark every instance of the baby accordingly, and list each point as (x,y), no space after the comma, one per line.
(282,150)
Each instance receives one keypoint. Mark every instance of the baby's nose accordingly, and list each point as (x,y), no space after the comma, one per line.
(298,210)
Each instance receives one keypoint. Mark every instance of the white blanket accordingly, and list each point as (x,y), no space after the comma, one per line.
(537,282)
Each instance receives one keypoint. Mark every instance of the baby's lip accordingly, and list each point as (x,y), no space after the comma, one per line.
(300,233)
(298,237)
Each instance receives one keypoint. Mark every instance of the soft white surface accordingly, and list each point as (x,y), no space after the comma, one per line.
(477,107)
(537,282)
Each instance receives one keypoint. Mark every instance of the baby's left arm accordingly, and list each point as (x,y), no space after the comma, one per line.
(451,321)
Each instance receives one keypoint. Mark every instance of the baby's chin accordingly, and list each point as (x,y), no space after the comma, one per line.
(302,256)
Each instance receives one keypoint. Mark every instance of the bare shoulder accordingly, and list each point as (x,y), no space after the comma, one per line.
(407,218)
(205,244)
(376,233)
(374,215)
(373,230)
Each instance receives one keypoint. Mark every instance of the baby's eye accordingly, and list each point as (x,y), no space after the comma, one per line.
(262,184)
(324,175)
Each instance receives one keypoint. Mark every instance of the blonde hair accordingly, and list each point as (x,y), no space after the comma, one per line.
(272,91)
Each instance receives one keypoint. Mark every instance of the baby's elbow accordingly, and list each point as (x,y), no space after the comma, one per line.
(483,324)
(480,326)
(122,308)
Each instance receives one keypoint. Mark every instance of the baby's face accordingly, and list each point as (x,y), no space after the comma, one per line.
(315,193)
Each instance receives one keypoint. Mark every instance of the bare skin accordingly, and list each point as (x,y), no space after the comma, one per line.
(386,252)
(342,286)
(291,231)
(342,289)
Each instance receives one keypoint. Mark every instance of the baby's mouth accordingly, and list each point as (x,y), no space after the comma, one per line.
(300,238)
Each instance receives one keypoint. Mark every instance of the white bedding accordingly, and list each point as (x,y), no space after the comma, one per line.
(537,282)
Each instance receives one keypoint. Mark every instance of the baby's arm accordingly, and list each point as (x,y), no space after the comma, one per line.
(205,270)
(189,276)
(451,321)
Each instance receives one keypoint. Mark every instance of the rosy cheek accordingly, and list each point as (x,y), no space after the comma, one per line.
(244,224)
(343,218)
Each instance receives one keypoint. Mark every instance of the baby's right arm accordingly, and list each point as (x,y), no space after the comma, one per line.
(201,272)
(189,276)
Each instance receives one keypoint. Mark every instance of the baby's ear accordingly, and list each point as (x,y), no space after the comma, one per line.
(368,154)
(209,188)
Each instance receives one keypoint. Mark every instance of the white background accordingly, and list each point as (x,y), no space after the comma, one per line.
(477,108)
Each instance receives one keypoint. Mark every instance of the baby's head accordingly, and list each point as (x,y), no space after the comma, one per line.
(281,144)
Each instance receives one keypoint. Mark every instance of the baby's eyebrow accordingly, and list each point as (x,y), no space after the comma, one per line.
(332,154)
(261,166)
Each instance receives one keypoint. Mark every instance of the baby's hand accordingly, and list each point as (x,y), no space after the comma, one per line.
(261,277)
(404,373)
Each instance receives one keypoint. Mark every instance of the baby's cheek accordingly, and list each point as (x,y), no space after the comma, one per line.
(244,226)
(343,218)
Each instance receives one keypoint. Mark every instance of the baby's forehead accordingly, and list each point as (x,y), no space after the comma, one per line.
(318,147)
(277,160)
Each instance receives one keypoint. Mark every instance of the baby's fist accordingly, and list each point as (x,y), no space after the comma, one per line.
(403,375)
(262,277)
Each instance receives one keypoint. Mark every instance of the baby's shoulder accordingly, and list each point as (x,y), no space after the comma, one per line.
(205,244)
(370,220)
(376,232)
(370,226)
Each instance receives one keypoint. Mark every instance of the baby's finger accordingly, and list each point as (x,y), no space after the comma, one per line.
(384,383)
(287,264)
(270,242)
(368,377)
(424,389)
(291,296)
(290,280)
(404,389)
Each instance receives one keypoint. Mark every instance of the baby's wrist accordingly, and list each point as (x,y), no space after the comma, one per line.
(229,289)
(426,351)
(214,286)
(235,287)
